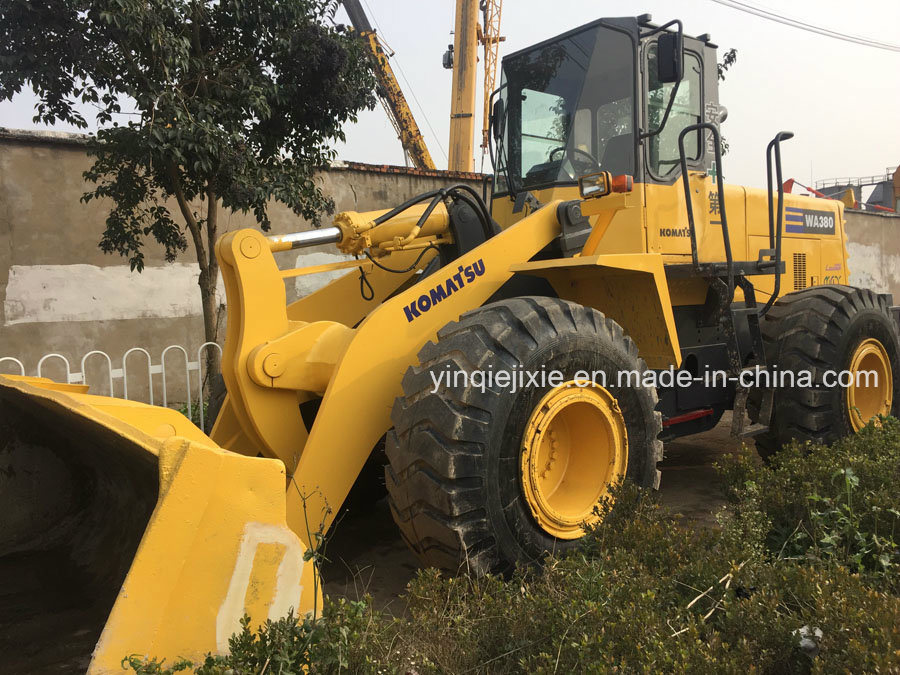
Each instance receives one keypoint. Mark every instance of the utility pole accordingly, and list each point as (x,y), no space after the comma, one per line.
(389,92)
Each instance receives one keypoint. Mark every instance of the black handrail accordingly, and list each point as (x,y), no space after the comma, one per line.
(775,230)
(498,159)
(689,202)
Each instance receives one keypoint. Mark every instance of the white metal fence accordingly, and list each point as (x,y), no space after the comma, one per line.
(173,356)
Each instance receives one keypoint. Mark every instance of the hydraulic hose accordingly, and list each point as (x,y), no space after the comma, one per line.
(405,205)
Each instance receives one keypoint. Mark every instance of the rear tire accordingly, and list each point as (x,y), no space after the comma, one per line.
(819,329)
(456,479)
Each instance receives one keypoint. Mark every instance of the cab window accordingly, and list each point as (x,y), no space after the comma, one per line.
(544,127)
(687,109)
(568,108)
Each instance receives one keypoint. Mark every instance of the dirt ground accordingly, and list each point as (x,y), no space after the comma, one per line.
(366,554)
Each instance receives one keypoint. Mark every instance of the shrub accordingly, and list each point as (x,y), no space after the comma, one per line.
(799,577)
(288,645)
(195,411)
(648,594)
(829,504)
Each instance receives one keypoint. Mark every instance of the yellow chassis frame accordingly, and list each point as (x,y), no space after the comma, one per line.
(272,349)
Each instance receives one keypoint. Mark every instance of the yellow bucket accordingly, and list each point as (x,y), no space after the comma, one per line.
(126,530)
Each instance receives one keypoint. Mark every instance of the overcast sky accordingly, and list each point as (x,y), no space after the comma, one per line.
(841,100)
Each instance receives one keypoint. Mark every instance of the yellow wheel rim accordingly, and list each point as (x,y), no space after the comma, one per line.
(574,447)
(871,392)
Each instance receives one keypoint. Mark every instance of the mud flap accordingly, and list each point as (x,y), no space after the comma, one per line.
(123,524)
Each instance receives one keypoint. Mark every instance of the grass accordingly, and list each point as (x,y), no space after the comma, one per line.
(800,576)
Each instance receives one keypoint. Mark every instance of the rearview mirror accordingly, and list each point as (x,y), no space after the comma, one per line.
(498,119)
(670,57)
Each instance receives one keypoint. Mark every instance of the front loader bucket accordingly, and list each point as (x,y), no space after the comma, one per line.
(125,530)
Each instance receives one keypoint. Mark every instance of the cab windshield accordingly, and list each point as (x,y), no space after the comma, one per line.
(568,111)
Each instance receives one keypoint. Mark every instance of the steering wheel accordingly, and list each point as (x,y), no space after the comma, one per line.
(582,162)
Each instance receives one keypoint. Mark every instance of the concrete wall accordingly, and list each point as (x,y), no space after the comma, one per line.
(60,293)
(874,248)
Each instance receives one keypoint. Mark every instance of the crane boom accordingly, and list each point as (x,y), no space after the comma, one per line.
(389,92)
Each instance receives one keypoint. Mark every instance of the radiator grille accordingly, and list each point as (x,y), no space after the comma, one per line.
(799,271)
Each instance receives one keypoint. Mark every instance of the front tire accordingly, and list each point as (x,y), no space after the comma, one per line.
(481,480)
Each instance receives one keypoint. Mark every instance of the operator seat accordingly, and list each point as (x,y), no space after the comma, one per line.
(618,155)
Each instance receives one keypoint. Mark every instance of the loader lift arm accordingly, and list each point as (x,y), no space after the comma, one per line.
(269,357)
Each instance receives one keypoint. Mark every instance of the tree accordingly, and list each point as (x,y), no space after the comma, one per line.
(227,104)
(729,58)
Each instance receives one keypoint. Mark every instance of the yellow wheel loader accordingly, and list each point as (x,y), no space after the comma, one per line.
(513,361)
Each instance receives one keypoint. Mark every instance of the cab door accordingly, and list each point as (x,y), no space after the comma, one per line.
(666,213)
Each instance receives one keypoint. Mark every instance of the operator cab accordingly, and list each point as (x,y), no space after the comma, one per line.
(593,100)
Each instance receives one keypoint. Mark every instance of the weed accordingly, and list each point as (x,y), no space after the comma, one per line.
(800,576)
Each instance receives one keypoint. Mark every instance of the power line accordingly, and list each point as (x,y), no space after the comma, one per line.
(409,87)
(796,23)
(437,139)
(374,20)
(412,92)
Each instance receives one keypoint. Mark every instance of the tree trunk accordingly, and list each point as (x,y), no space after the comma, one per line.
(207,283)
(208,290)
(209,268)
